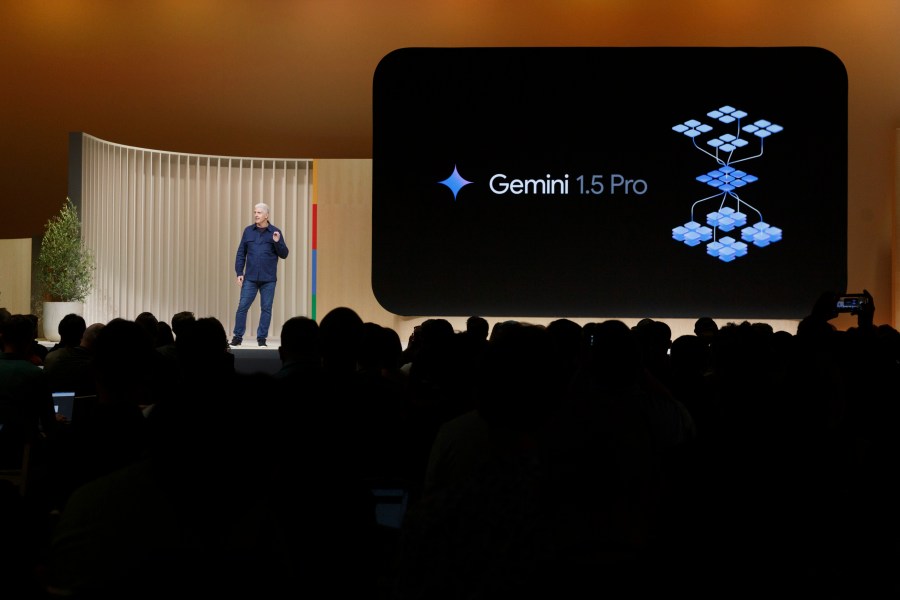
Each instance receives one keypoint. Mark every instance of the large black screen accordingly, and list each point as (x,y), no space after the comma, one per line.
(609,182)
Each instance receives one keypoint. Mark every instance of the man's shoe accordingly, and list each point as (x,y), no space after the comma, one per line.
(262,342)
(235,341)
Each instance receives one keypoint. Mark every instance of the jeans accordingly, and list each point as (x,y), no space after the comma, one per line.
(249,289)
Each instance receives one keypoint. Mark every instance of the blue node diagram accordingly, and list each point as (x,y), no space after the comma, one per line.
(729,212)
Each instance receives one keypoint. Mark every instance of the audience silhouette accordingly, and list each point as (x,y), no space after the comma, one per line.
(536,461)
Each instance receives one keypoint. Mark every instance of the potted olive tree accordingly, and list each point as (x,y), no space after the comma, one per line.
(65,269)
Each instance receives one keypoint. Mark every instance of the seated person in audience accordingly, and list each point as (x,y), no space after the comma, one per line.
(180,322)
(203,350)
(706,328)
(149,323)
(301,357)
(26,405)
(68,365)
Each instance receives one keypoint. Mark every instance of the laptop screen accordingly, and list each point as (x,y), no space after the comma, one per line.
(64,403)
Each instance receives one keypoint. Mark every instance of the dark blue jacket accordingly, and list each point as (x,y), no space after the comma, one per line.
(259,254)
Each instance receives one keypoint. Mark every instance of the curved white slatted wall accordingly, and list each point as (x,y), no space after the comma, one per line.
(164,228)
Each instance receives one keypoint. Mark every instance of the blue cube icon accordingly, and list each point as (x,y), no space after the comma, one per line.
(740,248)
(774,234)
(705,233)
(761,239)
(692,238)
(747,233)
(727,254)
(726,224)
(713,248)
(678,233)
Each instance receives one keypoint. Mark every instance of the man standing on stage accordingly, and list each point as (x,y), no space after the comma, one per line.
(255,264)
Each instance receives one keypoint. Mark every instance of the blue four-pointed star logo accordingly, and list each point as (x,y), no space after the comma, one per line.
(455,182)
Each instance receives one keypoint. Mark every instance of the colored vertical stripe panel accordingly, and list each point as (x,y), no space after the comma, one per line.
(314,249)
(314,271)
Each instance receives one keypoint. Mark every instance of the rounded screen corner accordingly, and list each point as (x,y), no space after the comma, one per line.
(388,302)
(389,60)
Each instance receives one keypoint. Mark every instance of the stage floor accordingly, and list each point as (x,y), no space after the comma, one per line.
(249,358)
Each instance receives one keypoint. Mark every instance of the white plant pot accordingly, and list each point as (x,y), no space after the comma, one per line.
(54,313)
